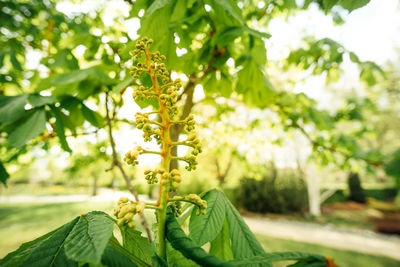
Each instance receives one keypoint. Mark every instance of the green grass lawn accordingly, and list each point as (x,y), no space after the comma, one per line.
(23,222)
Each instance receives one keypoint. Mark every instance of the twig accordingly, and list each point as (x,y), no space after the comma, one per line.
(117,163)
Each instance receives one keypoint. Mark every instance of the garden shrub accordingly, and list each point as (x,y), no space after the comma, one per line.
(355,189)
(273,193)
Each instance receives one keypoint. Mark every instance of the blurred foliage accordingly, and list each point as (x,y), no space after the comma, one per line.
(62,96)
(276,193)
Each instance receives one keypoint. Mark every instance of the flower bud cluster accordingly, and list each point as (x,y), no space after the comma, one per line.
(191,161)
(195,199)
(142,123)
(176,208)
(195,143)
(126,210)
(189,123)
(132,156)
(153,177)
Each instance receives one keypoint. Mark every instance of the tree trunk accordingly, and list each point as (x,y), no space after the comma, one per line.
(176,130)
(94,192)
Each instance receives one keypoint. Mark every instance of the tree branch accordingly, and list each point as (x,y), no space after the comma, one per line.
(117,163)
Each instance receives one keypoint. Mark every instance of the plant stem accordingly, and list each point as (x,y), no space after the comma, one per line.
(166,159)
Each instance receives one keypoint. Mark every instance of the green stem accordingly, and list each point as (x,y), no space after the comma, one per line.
(166,159)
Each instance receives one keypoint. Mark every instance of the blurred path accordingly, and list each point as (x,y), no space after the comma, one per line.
(355,240)
(104,194)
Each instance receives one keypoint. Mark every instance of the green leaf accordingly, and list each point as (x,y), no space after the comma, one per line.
(34,125)
(89,237)
(136,244)
(156,5)
(93,73)
(45,251)
(14,61)
(244,243)
(354,57)
(351,5)
(92,116)
(186,246)
(229,7)
(122,85)
(257,33)
(221,245)
(113,257)
(12,107)
(60,129)
(38,100)
(3,174)
(281,256)
(125,258)
(204,228)
(328,4)
(176,259)
(228,36)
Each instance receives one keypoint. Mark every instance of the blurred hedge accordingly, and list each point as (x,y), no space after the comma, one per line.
(273,193)
(380,194)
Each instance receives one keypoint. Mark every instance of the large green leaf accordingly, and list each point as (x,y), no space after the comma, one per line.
(60,128)
(38,100)
(204,228)
(12,107)
(114,258)
(136,244)
(176,259)
(187,247)
(89,237)
(244,243)
(34,125)
(3,174)
(221,245)
(45,251)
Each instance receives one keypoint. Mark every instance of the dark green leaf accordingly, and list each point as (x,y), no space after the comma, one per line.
(122,85)
(45,251)
(186,246)
(3,174)
(351,5)
(176,259)
(268,258)
(12,107)
(136,244)
(34,125)
(38,100)
(221,245)
(92,116)
(244,243)
(15,62)
(229,8)
(228,36)
(60,129)
(113,257)
(257,33)
(204,228)
(89,237)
